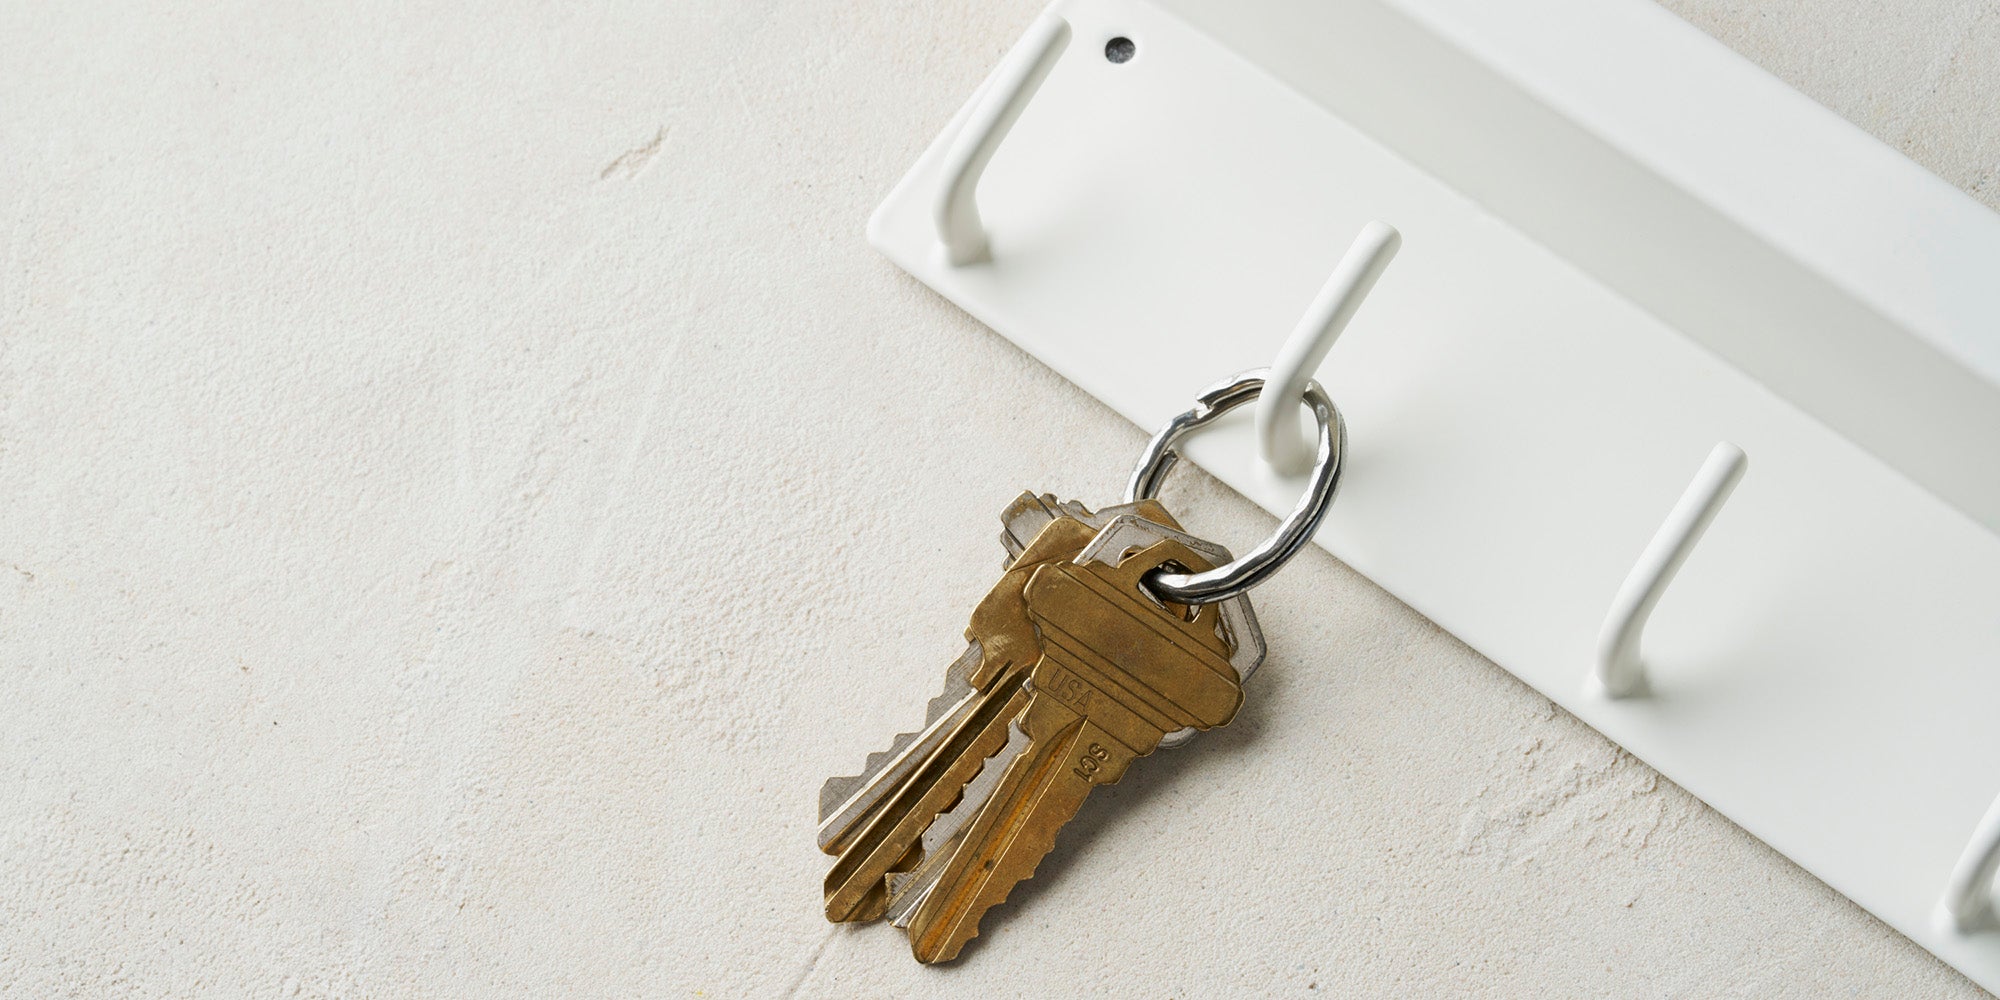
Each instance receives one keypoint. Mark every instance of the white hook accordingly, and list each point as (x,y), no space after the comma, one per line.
(1000,103)
(1619,669)
(1283,445)
(1967,905)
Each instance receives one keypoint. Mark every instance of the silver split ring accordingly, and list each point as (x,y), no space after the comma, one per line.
(1228,580)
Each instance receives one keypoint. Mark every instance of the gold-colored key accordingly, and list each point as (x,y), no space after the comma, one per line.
(848,802)
(1118,671)
(1140,639)
(889,837)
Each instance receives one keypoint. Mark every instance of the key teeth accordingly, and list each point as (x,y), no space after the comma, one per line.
(990,725)
(976,919)
(836,791)
(899,882)
(1025,855)
(946,826)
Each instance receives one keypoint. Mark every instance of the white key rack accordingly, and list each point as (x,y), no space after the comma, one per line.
(1620,244)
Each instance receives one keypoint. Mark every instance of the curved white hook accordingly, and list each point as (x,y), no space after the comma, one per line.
(1619,669)
(1283,445)
(1000,103)
(1967,905)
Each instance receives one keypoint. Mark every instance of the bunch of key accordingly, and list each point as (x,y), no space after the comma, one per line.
(1072,668)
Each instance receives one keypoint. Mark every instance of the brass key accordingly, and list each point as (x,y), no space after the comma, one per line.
(1120,535)
(847,803)
(889,838)
(1118,671)
(1138,640)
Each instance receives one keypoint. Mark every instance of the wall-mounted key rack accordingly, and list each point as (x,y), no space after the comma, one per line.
(1620,244)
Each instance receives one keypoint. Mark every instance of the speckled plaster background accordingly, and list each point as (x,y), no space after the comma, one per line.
(465,481)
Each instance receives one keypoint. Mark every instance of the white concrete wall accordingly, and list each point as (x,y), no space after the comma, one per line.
(466,481)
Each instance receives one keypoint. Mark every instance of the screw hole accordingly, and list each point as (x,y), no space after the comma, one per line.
(1120,49)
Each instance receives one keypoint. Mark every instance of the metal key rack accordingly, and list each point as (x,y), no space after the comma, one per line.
(1608,273)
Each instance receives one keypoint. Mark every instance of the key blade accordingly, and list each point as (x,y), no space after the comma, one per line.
(1004,640)
(999,641)
(908,889)
(855,888)
(1118,671)
(845,803)
(1039,792)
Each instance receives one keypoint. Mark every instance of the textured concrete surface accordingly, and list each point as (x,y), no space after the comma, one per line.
(1921,75)
(466,482)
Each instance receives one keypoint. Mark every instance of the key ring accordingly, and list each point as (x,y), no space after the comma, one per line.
(1251,569)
